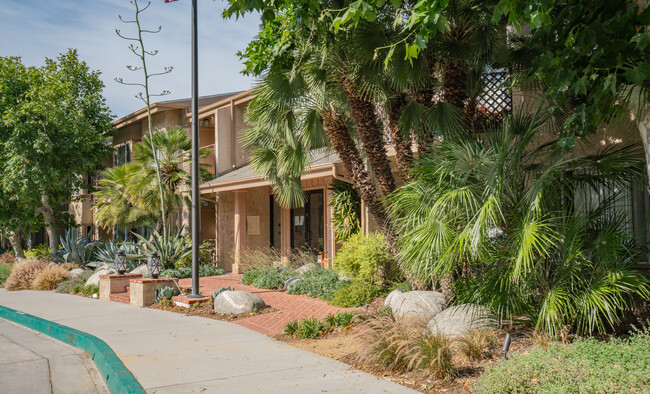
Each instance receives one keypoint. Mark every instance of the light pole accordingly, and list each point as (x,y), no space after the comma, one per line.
(196,194)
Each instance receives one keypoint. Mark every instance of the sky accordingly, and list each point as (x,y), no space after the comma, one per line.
(36,29)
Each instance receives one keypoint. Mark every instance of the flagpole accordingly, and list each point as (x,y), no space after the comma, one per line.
(196,196)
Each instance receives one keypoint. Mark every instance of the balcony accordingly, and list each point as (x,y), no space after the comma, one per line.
(207,163)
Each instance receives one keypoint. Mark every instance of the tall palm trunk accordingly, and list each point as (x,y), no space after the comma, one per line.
(455,85)
(403,153)
(344,145)
(371,136)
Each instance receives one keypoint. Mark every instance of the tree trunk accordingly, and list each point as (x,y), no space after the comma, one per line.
(16,239)
(50,224)
(344,145)
(403,153)
(371,136)
(159,224)
(644,130)
(454,85)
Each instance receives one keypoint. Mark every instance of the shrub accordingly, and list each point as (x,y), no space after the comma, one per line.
(205,256)
(291,327)
(50,277)
(8,258)
(77,249)
(319,282)
(170,247)
(41,251)
(67,286)
(268,277)
(357,293)
(585,366)
(84,290)
(310,328)
(186,272)
(5,271)
(367,259)
(478,344)
(343,319)
(24,273)
(405,345)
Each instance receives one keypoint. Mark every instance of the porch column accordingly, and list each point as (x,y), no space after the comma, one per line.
(240,227)
(330,236)
(285,234)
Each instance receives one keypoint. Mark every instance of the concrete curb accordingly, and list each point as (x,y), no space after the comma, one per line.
(117,377)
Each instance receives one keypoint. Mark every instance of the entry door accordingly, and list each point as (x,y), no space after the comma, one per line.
(307,223)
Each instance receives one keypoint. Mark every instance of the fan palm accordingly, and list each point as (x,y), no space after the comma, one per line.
(507,211)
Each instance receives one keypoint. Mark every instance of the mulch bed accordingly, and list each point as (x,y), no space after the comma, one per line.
(205,310)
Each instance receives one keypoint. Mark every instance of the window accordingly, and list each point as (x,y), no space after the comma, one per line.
(122,155)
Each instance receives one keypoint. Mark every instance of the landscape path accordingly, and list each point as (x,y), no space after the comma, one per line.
(175,353)
(288,306)
(31,362)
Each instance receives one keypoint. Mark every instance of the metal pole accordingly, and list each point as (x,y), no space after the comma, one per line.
(196,196)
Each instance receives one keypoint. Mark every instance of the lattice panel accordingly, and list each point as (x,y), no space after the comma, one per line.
(494,102)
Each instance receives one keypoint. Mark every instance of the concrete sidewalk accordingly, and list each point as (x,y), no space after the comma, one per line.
(31,362)
(174,353)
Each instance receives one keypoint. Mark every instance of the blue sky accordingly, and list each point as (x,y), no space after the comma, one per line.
(36,29)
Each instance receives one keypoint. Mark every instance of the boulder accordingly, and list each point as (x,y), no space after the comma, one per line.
(289,281)
(142,270)
(236,302)
(419,304)
(458,320)
(76,272)
(307,267)
(94,278)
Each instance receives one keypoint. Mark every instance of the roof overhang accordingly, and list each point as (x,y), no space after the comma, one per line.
(211,109)
(251,182)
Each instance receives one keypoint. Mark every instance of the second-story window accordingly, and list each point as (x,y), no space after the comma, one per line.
(122,155)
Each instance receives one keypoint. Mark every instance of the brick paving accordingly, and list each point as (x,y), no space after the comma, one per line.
(289,306)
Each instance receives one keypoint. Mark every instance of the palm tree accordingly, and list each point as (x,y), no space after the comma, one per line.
(129,194)
(507,211)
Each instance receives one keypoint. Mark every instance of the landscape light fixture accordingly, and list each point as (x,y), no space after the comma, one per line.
(120,262)
(153,265)
(506,346)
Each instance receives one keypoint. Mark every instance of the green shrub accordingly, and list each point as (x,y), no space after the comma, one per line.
(165,293)
(41,251)
(310,328)
(67,285)
(367,259)
(343,319)
(186,272)
(585,366)
(5,271)
(84,290)
(319,282)
(291,327)
(268,277)
(356,294)
(205,255)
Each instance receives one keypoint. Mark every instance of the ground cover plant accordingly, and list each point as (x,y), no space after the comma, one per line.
(5,271)
(319,282)
(269,277)
(357,293)
(585,366)
(67,286)
(313,327)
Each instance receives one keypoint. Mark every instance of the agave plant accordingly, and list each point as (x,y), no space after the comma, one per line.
(170,248)
(105,253)
(530,221)
(77,249)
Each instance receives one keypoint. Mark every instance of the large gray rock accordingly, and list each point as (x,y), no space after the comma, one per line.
(76,272)
(416,304)
(140,270)
(94,278)
(236,302)
(458,320)
(307,267)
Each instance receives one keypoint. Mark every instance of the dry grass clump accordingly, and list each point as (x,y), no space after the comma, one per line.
(478,344)
(401,345)
(7,258)
(50,277)
(24,273)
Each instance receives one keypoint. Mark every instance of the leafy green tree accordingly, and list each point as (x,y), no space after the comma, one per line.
(53,132)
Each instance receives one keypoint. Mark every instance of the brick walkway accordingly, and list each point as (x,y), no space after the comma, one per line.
(289,306)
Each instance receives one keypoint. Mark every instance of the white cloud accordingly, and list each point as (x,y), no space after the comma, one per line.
(36,29)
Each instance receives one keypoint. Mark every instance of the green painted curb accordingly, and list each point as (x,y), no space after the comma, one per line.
(118,379)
